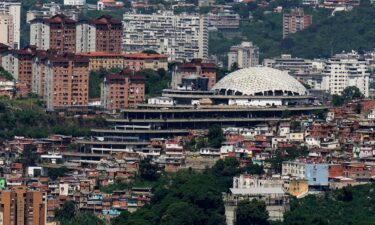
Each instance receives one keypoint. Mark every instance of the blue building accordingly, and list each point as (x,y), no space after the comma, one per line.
(316,174)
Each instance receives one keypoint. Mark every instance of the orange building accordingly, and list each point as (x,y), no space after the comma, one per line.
(122,90)
(24,58)
(20,206)
(66,81)
(295,21)
(141,61)
(108,34)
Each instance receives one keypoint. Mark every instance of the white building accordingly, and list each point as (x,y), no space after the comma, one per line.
(85,37)
(13,9)
(181,37)
(343,71)
(161,101)
(75,2)
(294,169)
(245,55)
(6,29)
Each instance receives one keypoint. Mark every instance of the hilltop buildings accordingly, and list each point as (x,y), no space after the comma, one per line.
(295,21)
(244,55)
(181,37)
(331,75)
(57,32)
(241,99)
(63,34)
(103,34)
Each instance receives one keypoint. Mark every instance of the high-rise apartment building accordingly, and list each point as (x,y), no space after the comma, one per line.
(66,80)
(343,71)
(294,21)
(57,32)
(123,90)
(180,37)
(13,9)
(6,29)
(19,64)
(103,34)
(245,55)
(20,206)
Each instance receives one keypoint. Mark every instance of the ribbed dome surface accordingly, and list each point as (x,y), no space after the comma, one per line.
(262,81)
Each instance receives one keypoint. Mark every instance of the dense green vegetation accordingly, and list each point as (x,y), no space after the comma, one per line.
(328,34)
(5,74)
(156,81)
(68,215)
(96,78)
(348,206)
(252,213)
(348,94)
(195,198)
(186,197)
(26,117)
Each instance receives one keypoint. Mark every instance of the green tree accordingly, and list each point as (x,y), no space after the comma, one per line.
(251,213)
(66,212)
(337,100)
(148,170)
(234,67)
(55,173)
(320,114)
(215,136)
(183,213)
(253,169)
(5,74)
(351,92)
(29,156)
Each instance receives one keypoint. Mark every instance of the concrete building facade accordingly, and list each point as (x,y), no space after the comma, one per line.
(58,32)
(244,55)
(6,29)
(103,34)
(123,90)
(343,71)
(13,9)
(295,21)
(66,81)
(180,37)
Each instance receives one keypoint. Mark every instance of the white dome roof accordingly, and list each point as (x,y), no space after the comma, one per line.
(259,81)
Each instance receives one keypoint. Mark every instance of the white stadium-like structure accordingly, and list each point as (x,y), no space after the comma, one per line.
(259,81)
(241,99)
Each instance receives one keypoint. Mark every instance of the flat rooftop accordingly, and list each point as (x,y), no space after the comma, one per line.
(222,108)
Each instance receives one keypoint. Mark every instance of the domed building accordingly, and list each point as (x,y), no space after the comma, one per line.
(241,99)
(259,81)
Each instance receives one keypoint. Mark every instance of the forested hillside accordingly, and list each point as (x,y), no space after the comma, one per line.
(345,31)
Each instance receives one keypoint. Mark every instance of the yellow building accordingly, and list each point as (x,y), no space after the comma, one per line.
(297,188)
(141,61)
(104,60)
